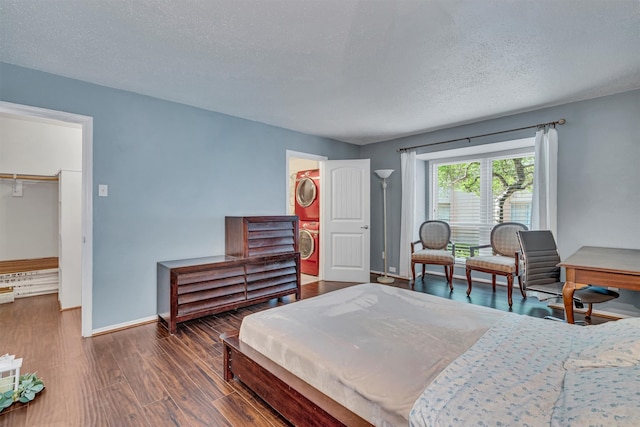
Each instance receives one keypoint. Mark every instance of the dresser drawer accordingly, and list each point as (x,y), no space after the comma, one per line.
(273,277)
(210,301)
(214,276)
(261,235)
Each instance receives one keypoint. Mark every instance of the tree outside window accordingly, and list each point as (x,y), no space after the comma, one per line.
(475,195)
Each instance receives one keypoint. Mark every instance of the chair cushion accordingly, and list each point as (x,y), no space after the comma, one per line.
(426,256)
(497,263)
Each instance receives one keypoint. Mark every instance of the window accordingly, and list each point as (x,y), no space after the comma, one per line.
(473,193)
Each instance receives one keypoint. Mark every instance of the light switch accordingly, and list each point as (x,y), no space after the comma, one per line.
(103,190)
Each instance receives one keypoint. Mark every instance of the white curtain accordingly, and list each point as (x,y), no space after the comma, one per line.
(408,176)
(545,179)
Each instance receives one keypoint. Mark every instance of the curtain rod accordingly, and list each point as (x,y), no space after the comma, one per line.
(28,177)
(469,138)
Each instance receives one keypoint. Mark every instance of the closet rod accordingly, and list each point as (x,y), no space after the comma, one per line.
(28,177)
(469,138)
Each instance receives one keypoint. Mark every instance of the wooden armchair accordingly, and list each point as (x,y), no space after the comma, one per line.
(505,260)
(435,236)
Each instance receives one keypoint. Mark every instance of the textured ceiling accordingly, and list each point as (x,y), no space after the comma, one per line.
(356,71)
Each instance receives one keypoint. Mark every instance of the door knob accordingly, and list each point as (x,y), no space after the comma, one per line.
(365,227)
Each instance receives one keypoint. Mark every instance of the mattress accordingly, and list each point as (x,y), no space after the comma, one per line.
(370,347)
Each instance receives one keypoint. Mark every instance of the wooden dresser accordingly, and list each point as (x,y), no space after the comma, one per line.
(247,236)
(261,262)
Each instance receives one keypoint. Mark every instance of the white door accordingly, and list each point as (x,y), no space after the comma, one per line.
(70,239)
(344,226)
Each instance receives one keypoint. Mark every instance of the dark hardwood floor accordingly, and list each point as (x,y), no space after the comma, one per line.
(143,376)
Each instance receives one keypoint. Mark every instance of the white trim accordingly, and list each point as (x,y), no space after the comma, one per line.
(505,149)
(125,325)
(478,149)
(87,196)
(87,227)
(308,156)
(463,277)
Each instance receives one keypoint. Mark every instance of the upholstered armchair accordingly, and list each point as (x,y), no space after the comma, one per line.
(435,236)
(505,260)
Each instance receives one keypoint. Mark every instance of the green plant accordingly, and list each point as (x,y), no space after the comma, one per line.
(6,399)
(28,386)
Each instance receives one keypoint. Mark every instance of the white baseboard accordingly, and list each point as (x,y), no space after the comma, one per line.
(475,279)
(455,276)
(125,325)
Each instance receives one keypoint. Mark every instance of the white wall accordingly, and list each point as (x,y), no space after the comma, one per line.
(29,224)
(174,172)
(39,146)
(598,175)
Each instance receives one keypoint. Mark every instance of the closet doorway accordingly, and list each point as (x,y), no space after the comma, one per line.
(74,189)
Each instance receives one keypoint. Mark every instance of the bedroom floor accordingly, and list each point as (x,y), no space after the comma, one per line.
(142,376)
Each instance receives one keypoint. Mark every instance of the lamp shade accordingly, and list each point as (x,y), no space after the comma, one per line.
(384,173)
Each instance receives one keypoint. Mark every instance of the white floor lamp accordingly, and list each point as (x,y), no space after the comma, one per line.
(384,174)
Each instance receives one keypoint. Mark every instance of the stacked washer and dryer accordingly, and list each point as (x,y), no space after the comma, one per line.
(307,208)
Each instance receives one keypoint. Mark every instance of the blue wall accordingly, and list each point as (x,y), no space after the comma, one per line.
(598,176)
(173,172)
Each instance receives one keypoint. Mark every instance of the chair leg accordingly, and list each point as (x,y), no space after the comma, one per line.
(424,271)
(509,289)
(413,272)
(589,311)
(524,294)
(448,273)
(493,282)
(468,281)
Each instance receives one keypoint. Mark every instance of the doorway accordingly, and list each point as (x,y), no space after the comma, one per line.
(341,235)
(302,195)
(86,252)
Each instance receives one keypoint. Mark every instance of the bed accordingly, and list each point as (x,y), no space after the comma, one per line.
(378,355)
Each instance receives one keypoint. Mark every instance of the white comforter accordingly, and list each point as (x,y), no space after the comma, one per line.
(370,347)
(536,372)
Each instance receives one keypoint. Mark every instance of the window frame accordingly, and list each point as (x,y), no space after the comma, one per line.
(487,152)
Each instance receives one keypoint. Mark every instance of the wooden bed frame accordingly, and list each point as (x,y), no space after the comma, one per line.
(297,401)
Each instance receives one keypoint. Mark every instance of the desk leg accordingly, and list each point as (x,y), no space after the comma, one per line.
(567,294)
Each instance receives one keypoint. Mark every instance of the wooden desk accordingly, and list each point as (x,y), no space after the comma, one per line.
(618,268)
